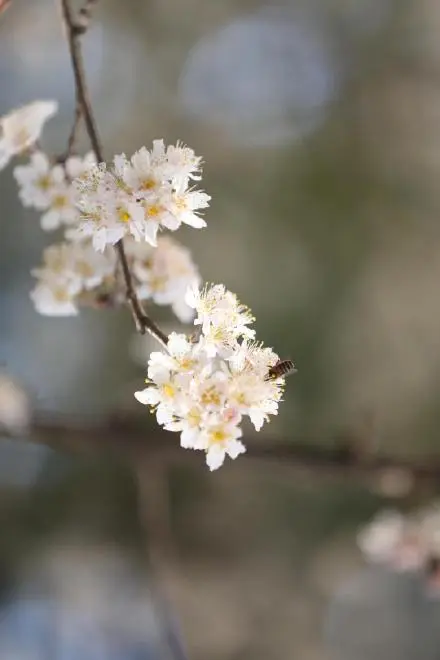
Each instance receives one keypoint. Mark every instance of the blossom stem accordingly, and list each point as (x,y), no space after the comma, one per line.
(74,30)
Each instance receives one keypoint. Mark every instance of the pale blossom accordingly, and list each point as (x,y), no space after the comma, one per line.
(140,196)
(37,180)
(205,395)
(222,318)
(69,270)
(163,274)
(54,298)
(22,127)
(47,186)
(401,542)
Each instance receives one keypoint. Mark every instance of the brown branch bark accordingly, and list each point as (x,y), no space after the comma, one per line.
(130,439)
(74,29)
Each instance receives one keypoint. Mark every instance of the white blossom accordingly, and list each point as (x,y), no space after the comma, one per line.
(69,270)
(222,317)
(163,274)
(204,395)
(140,196)
(22,127)
(47,186)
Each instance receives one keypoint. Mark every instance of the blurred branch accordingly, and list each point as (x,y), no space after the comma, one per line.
(75,28)
(4,4)
(128,439)
(74,131)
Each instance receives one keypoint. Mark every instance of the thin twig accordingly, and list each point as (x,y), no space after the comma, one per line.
(74,30)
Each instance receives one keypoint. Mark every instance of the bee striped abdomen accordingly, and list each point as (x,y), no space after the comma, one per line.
(281,369)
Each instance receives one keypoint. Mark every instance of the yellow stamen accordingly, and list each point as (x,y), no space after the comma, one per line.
(59,201)
(158,283)
(210,396)
(153,211)
(123,215)
(148,184)
(168,390)
(60,295)
(44,182)
(180,203)
(218,436)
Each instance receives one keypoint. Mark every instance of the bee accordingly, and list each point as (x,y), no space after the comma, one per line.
(280,369)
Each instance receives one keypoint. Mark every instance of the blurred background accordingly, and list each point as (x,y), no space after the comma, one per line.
(319,125)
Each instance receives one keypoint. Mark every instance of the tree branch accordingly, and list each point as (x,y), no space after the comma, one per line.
(74,29)
(129,439)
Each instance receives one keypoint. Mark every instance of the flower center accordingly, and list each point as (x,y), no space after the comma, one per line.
(168,390)
(61,295)
(59,202)
(153,211)
(210,397)
(147,184)
(44,182)
(218,436)
(180,203)
(158,283)
(124,215)
(84,269)
(185,364)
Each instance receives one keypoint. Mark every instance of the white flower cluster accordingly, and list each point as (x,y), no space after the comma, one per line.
(404,543)
(74,273)
(135,199)
(46,186)
(139,196)
(163,273)
(69,271)
(203,387)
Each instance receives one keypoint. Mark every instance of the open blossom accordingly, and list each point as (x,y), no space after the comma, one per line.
(405,542)
(222,317)
(69,270)
(21,128)
(163,274)
(204,391)
(140,196)
(48,187)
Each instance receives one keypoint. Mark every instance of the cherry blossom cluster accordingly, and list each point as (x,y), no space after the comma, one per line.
(163,273)
(82,268)
(47,186)
(405,543)
(203,386)
(137,197)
